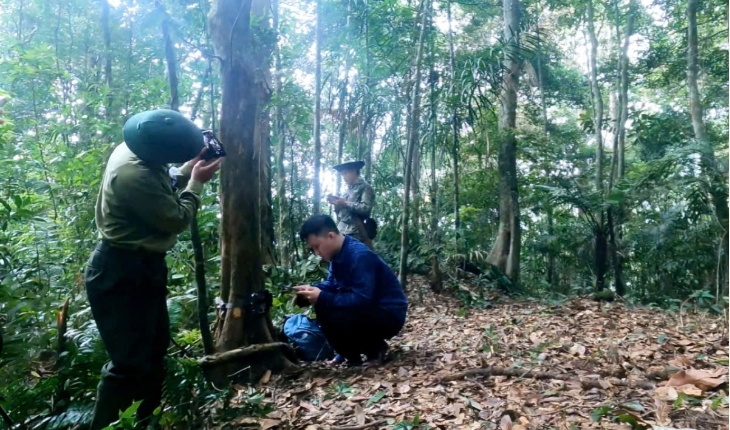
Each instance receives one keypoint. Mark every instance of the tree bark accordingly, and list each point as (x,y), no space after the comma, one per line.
(434,191)
(367,103)
(342,106)
(317,107)
(435,275)
(454,129)
(200,282)
(600,243)
(543,107)
(505,253)
(411,146)
(239,322)
(260,10)
(169,58)
(615,218)
(716,179)
(108,57)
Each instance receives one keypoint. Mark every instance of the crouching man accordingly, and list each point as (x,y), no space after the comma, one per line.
(361,304)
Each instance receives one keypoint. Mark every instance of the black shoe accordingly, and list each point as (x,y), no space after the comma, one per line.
(378,357)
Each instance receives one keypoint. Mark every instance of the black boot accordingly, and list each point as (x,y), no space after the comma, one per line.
(111,398)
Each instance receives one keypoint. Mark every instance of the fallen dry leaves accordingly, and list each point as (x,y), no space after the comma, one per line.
(580,339)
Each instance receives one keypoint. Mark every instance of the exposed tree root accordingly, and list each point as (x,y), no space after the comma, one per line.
(586,383)
(245,353)
(360,427)
(247,364)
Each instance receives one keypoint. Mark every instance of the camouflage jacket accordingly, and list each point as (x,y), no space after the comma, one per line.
(360,198)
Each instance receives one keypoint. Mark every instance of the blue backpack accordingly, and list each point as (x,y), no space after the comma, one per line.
(306,336)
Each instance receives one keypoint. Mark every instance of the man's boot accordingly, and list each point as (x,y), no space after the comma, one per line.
(110,400)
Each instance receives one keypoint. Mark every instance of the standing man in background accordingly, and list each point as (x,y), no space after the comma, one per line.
(353,209)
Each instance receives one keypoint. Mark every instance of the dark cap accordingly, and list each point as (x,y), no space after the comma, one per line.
(163,136)
(350,165)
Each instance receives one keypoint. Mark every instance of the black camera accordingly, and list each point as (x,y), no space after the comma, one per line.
(213,146)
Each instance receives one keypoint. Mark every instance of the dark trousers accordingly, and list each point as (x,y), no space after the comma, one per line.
(354,332)
(127,290)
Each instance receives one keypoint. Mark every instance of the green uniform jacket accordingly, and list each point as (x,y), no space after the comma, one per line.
(360,198)
(137,207)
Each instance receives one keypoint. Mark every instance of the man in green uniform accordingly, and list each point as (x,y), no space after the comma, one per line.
(356,204)
(138,216)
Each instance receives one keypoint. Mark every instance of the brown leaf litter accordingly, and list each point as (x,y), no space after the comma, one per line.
(643,364)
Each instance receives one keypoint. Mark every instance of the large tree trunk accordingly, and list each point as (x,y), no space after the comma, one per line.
(411,146)
(241,322)
(505,253)
(260,11)
(716,178)
(600,241)
(317,108)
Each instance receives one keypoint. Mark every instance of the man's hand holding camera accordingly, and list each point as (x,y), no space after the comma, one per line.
(200,168)
(203,170)
(307,293)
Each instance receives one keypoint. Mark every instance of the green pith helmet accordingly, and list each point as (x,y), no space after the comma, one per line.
(163,136)
(350,165)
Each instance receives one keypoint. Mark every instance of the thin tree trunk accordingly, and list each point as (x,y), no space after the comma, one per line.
(244,320)
(108,55)
(367,100)
(412,144)
(317,107)
(199,95)
(549,212)
(342,101)
(718,187)
(435,276)
(695,107)
(433,79)
(343,126)
(505,253)
(454,129)
(198,254)
(616,219)
(284,224)
(171,60)
(416,190)
(292,182)
(615,107)
(600,233)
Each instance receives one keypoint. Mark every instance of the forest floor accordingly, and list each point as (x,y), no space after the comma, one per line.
(594,352)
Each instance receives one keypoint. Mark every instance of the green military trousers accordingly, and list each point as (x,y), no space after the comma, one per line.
(127,291)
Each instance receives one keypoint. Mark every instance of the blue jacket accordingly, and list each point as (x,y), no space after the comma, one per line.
(359,279)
